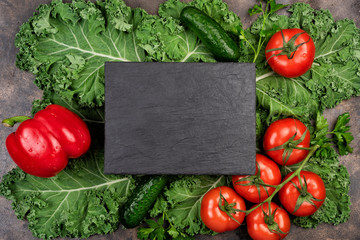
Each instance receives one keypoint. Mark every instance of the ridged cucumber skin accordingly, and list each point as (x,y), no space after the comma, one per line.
(211,34)
(142,199)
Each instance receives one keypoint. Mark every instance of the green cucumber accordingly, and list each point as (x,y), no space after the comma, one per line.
(211,34)
(142,199)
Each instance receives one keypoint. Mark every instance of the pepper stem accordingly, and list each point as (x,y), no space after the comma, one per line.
(10,122)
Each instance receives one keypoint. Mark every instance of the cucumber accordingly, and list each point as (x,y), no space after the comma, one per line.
(211,34)
(142,199)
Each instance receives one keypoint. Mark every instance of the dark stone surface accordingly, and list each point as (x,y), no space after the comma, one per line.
(17,92)
(180,118)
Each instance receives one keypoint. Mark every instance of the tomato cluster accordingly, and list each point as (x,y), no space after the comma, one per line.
(286,142)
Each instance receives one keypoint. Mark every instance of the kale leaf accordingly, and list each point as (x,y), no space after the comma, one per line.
(79,202)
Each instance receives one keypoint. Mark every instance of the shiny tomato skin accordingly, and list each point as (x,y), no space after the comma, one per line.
(281,131)
(288,194)
(258,229)
(302,59)
(213,217)
(269,173)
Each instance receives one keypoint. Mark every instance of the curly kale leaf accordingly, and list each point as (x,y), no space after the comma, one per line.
(89,115)
(79,202)
(334,76)
(182,200)
(66,45)
(166,40)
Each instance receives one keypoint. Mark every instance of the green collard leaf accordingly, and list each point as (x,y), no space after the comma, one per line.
(184,196)
(79,202)
(69,58)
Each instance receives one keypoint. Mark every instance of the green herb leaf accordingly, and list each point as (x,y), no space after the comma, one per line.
(256,9)
(320,136)
(157,230)
(144,233)
(275,7)
(342,136)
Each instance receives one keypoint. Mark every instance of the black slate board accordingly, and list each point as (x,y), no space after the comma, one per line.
(179,118)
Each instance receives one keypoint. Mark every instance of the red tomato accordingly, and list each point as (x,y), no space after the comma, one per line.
(302,58)
(258,227)
(216,219)
(269,174)
(278,133)
(314,189)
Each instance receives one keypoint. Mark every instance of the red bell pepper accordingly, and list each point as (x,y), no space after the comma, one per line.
(41,146)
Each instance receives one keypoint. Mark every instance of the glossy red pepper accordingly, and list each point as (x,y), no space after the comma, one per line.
(41,146)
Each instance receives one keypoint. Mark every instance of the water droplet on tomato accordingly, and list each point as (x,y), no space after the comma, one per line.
(30,149)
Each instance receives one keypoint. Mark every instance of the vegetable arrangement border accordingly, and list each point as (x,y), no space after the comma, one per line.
(65,45)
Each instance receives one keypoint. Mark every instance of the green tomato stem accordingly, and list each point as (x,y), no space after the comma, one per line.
(10,122)
(295,173)
(268,185)
(301,148)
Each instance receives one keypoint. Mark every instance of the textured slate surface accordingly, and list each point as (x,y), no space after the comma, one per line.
(180,118)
